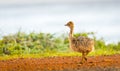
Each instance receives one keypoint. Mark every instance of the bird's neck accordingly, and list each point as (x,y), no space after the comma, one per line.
(71,33)
(70,37)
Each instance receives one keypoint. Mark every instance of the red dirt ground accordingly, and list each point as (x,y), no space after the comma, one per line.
(96,63)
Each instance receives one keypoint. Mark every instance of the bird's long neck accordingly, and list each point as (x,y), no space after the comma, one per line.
(71,33)
(70,37)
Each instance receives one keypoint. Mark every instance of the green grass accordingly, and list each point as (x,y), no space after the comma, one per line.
(47,54)
(39,45)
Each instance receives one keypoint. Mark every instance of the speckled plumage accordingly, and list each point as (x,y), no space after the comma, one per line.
(81,44)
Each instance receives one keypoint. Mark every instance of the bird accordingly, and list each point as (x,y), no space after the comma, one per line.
(80,44)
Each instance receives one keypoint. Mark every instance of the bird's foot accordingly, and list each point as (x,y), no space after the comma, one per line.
(85,59)
(80,63)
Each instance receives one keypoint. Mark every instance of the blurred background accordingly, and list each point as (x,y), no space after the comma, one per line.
(49,16)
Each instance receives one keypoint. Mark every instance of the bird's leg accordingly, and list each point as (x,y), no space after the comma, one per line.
(86,56)
(83,57)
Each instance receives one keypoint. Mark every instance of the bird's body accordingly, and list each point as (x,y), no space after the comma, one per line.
(81,44)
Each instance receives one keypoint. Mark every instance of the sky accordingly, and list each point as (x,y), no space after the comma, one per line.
(100,16)
(8,2)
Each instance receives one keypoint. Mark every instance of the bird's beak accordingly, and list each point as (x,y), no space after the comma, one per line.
(65,24)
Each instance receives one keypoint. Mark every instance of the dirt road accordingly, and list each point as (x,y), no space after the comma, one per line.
(96,63)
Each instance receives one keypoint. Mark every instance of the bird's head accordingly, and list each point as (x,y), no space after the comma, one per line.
(70,24)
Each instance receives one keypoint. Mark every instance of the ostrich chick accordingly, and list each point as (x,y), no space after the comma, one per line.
(81,44)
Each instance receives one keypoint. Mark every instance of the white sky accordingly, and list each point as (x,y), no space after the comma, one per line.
(104,18)
(5,2)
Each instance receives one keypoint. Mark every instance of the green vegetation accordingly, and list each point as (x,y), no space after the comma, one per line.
(46,45)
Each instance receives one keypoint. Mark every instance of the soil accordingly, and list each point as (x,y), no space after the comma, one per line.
(94,63)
